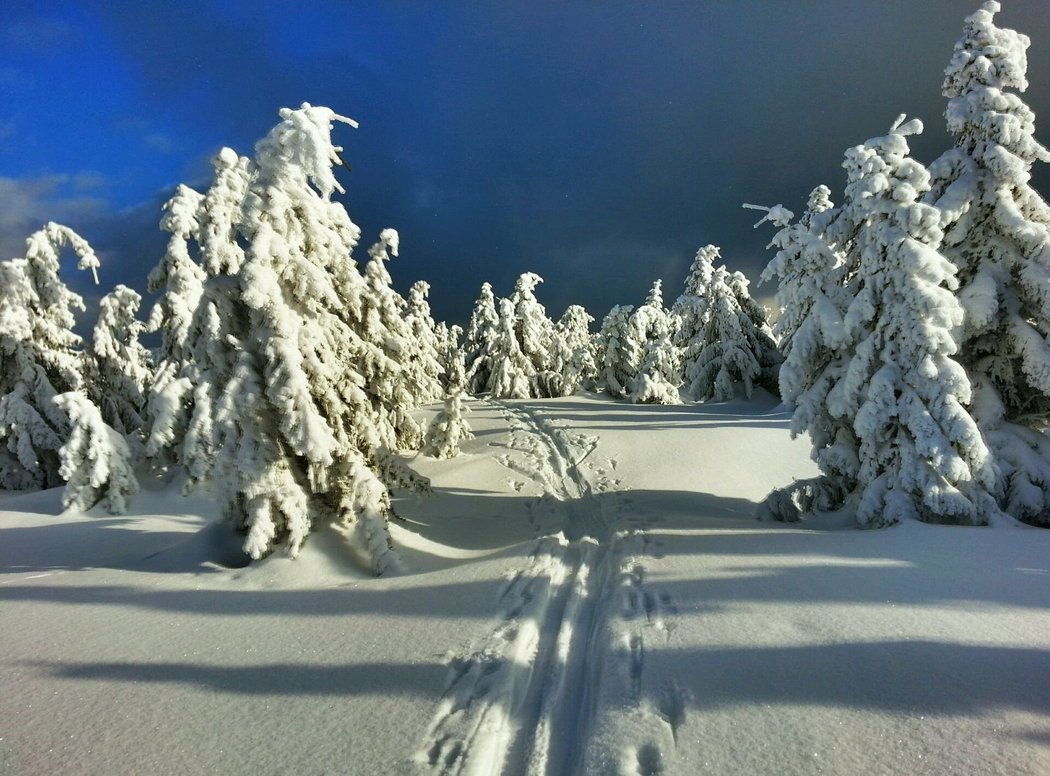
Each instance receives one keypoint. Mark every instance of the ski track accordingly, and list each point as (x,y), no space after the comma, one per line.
(524,701)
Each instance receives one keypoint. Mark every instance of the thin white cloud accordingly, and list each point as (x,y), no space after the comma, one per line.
(29,203)
(160,142)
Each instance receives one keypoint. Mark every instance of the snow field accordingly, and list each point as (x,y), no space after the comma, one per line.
(589,594)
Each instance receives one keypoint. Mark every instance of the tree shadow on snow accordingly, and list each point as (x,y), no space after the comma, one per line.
(915,677)
(269,679)
(122,543)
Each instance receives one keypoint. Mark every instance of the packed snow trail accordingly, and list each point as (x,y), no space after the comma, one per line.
(524,701)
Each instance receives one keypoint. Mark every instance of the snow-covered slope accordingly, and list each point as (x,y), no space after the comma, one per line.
(589,594)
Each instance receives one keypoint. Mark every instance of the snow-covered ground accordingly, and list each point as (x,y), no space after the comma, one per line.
(589,594)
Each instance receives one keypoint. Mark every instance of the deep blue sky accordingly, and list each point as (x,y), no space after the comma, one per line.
(596,143)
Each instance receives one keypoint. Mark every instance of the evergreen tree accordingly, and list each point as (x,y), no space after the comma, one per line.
(657,378)
(183,410)
(690,309)
(41,356)
(802,265)
(727,346)
(822,279)
(479,346)
(572,354)
(181,280)
(424,359)
(392,388)
(614,373)
(997,233)
(812,300)
(118,367)
(511,370)
(764,342)
(449,427)
(917,452)
(285,420)
(95,459)
(449,350)
(532,327)
(537,337)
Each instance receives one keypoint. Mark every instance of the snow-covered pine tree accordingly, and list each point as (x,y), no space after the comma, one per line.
(822,280)
(767,351)
(180,279)
(183,411)
(801,265)
(812,300)
(449,350)
(456,373)
(118,367)
(95,460)
(535,334)
(392,388)
(479,345)
(283,418)
(727,346)
(573,356)
(511,372)
(424,358)
(997,233)
(41,356)
(919,453)
(449,427)
(690,309)
(614,373)
(657,379)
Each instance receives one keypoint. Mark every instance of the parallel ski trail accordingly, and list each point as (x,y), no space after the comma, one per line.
(523,703)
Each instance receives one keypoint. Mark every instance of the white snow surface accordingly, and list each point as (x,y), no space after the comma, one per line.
(589,594)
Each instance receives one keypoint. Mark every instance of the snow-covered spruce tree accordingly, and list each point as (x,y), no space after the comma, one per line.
(511,372)
(95,460)
(657,379)
(423,361)
(449,427)
(821,280)
(293,429)
(535,334)
(801,265)
(479,345)
(450,354)
(690,309)
(118,367)
(180,280)
(572,352)
(727,346)
(812,300)
(997,233)
(392,388)
(41,356)
(920,454)
(767,351)
(182,411)
(614,373)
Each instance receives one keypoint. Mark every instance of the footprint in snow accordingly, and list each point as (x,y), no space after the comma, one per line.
(670,707)
(650,760)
